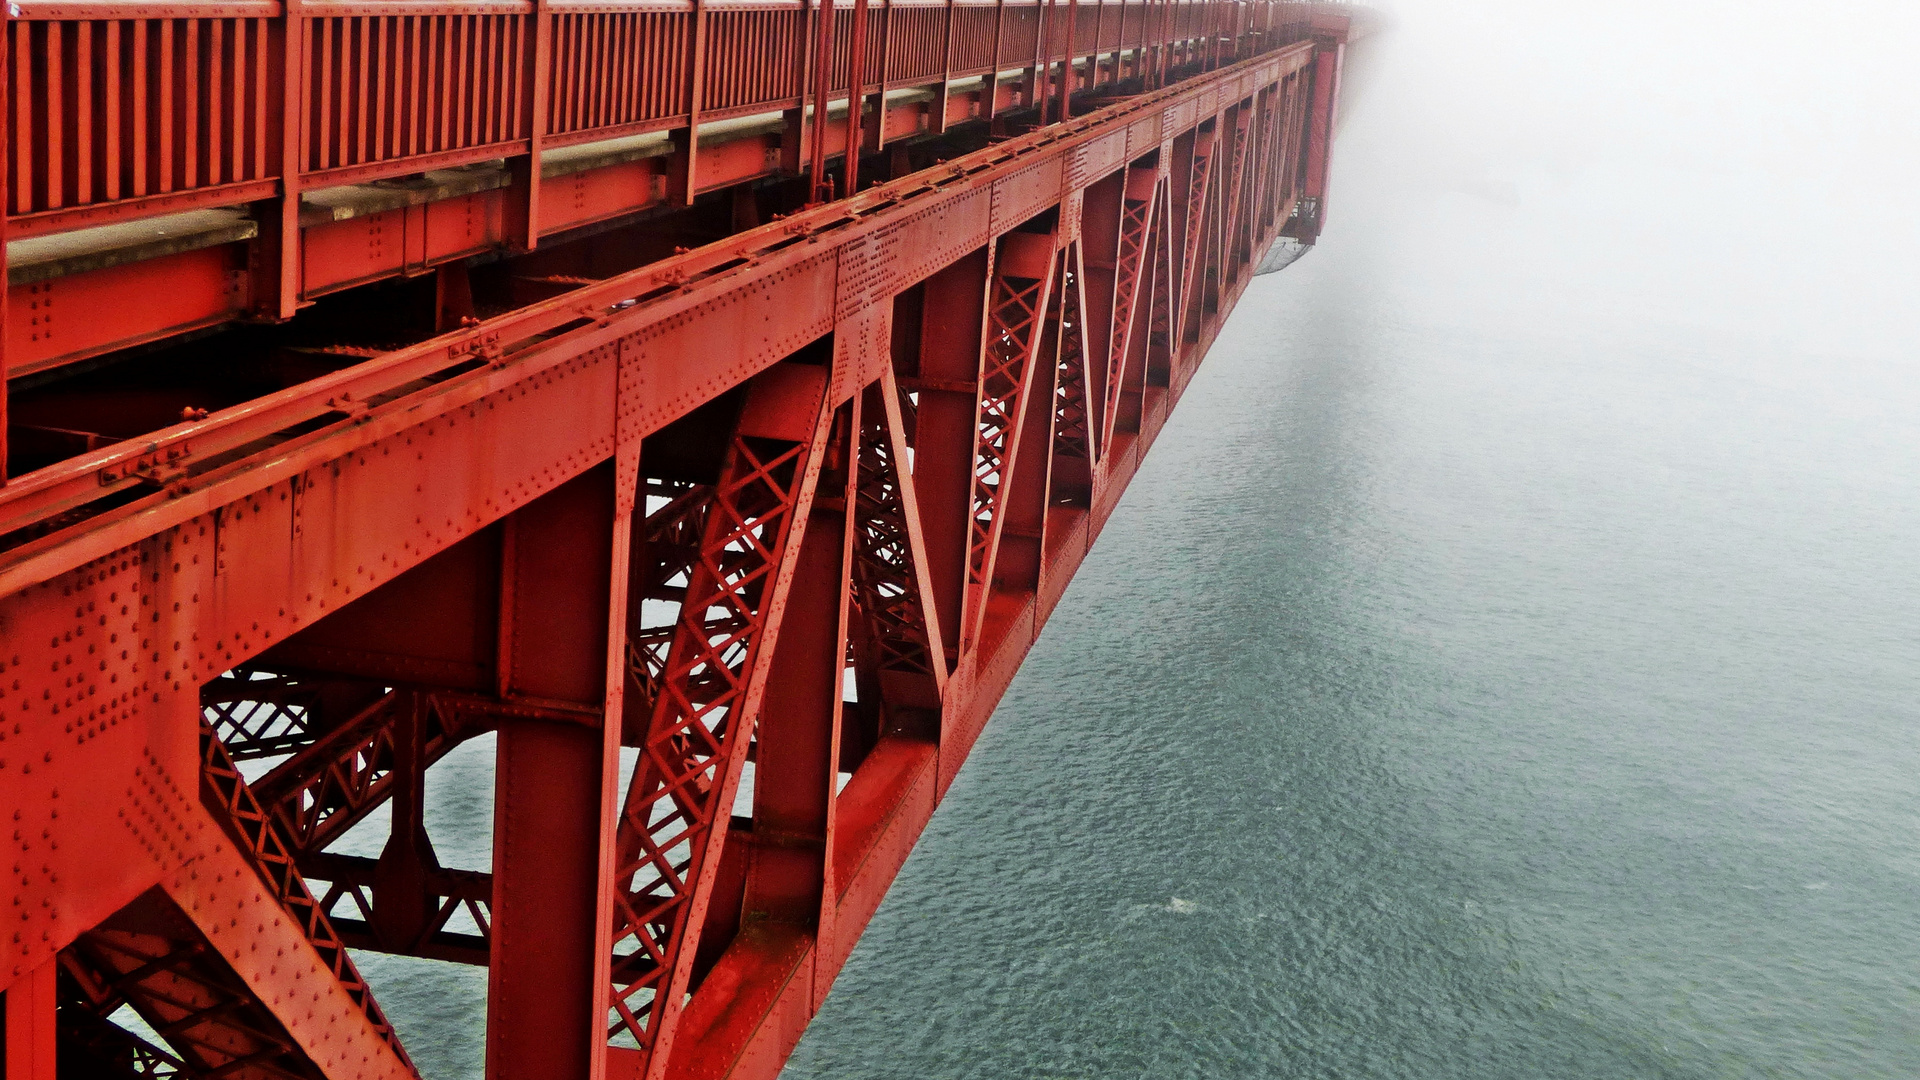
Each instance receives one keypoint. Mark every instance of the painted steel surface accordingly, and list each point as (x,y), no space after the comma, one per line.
(779,516)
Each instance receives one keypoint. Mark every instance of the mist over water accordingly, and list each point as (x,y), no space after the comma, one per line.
(1506,663)
(1504,666)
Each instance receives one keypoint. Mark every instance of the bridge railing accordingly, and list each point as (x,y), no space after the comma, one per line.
(122,110)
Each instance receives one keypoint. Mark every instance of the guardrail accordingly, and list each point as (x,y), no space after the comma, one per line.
(117,111)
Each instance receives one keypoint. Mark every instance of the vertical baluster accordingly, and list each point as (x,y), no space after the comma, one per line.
(723,73)
(433,84)
(630,86)
(168,81)
(630,79)
(216,97)
(462,80)
(573,76)
(617,59)
(482,77)
(460,84)
(480,93)
(556,70)
(496,81)
(663,46)
(190,87)
(362,60)
(56,109)
(521,61)
(323,158)
(83,187)
(438,94)
(444,80)
(237,150)
(590,63)
(21,80)
(110,113)
(453,81)
(262,95)
(649,26)
(420,88)
(382,150)
(562,29)
(397,75)
(615,69)
(138,148)
(481,122)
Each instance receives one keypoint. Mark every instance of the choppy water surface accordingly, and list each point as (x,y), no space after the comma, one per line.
(1505,663)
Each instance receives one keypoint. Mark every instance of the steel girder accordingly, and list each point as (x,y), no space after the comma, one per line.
(782,515)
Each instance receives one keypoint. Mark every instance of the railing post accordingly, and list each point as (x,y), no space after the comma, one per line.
(877,127)
(1166,39)
(856,95)
(687,175)
(1034,86)
(794,135)
(1099,32)
(1066,71)
(946,75)
(821,190)
(525,233)
(990,92)
(276,253)
(1153,41)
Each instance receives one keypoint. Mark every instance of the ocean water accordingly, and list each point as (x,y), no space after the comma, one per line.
(1507,663)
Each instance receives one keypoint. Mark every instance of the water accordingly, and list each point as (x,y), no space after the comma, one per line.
(1505,663)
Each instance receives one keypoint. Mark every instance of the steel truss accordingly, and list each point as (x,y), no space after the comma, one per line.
(731,556)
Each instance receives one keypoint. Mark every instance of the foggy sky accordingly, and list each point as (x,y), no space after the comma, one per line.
(1730,168)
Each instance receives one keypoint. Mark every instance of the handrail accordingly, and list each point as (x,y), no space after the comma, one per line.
(123,110)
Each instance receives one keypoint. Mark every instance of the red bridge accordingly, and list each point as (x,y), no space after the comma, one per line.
(386,373)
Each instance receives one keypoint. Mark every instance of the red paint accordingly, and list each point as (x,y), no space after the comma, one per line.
(669,509)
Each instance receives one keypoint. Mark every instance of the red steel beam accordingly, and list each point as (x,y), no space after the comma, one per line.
(801,498)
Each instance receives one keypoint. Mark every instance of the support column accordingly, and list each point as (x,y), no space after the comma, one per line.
(403,904)
(552,793)
(29,1045)
(947,383)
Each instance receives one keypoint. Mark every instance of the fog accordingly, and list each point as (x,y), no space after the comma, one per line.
(1706,165)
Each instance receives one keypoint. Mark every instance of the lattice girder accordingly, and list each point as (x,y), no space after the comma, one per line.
(1018,291)
(667,842)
